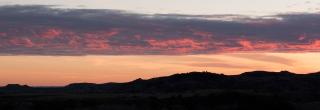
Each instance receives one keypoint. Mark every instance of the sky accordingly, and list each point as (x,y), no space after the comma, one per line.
(53,43)
(257,7)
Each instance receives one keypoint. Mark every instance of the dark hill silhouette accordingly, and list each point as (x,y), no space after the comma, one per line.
(268,74)
(256,90)
(173,83)
(256,80)
(16,86)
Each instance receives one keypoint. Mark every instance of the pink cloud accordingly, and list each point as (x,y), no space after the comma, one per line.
(95,42)
(178,45)
(246,44)
(3,34)
(311,46)
(26,42)
(51,33)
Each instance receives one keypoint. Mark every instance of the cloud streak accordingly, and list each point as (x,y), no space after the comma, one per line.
(265,58)
(42,30)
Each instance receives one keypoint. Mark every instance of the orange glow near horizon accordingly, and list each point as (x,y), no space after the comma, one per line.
(62,70)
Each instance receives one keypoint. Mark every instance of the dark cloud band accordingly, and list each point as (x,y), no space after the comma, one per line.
(41,30)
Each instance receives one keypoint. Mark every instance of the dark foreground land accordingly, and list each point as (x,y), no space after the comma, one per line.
(258,90)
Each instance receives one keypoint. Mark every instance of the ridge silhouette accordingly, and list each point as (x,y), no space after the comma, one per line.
(257,80)
(255,90)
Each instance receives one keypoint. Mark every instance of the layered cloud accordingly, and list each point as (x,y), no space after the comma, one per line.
(42,30)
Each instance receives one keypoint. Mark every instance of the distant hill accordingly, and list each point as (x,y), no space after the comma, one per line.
(268,74)
(255,80)
(256,90)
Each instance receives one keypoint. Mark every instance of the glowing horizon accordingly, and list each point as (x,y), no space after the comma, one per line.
(62,70)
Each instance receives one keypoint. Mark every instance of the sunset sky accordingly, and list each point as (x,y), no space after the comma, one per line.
(57,42)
